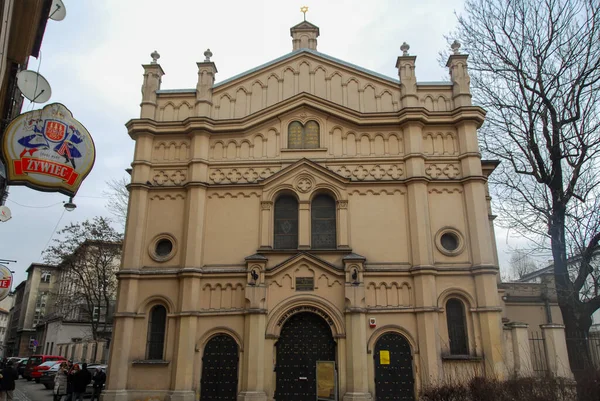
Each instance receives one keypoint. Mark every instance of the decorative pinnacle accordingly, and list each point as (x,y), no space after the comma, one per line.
(455,46)
(155,56)
(304,10)
(404,48)
(208,54)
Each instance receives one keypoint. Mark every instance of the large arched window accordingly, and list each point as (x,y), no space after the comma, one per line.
(457,327)
(303,136)
(156,333)
(286,223)
(322,222)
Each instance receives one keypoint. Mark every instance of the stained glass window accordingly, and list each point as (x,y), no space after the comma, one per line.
(457,327)
(323,222)
(286,223)
(303,136)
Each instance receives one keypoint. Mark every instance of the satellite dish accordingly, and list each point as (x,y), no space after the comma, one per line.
(58,12)
(5,213)
(34,86)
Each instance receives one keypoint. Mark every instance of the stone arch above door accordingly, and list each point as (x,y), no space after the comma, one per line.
(305,303)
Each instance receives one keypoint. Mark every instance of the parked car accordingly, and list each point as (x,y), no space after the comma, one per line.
(36,372)
(36,360)
(21,366)
(47,376)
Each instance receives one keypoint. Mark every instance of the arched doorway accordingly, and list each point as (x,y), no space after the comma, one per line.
(305,339)
(219,369)
(394,379)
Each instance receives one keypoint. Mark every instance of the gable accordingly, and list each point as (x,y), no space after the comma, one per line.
(305,71)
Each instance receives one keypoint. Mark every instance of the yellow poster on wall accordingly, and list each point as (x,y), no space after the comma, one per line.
(384,357)
(325,380)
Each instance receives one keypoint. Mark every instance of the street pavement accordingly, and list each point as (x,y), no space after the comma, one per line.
(31,391)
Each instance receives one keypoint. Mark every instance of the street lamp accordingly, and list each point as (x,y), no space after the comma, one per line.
(70,206)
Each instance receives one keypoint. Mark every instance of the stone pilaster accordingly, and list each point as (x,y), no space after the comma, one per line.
(556,350)
(196,201)
(520,349)
(253,362)
(357,385)
(153,74)
(182,376)
(304,224)
(123,335)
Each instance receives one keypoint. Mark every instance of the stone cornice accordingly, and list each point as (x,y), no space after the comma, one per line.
(407,115)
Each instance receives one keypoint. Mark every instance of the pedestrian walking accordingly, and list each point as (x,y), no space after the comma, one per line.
(81,378)
(60,381)
(70,373)
(7,383)
(99,380)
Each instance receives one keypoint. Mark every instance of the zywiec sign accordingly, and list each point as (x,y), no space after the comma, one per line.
(48,150)
(5,281)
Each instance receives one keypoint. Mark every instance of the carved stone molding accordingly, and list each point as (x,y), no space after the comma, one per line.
(370,172)
(442,171)
(304,183)
(342,204)
(169,177)
(240,175)
(266,205)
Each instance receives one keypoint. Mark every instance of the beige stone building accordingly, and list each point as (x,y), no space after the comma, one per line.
(308,227)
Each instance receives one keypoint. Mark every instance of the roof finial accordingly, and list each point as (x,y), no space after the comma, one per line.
(404,48)
(208,54)
(304,10)
(155,56)
(455,46)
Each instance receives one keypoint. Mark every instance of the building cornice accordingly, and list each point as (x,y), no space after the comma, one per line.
(406,115)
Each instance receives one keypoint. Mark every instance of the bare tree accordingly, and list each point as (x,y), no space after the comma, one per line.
(117,196)
(535,68)
(88,256)
(521,263)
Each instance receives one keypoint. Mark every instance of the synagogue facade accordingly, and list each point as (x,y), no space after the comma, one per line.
(306,228)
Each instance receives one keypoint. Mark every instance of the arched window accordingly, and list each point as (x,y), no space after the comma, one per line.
(286,223)
(323,222)
(303,136)
(457,327)
(156,333)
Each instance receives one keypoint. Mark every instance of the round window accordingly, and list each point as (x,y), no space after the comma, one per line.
(164,247)
(449,241)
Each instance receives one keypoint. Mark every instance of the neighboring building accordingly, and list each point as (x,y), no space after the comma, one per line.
(31,302)
(532,298)
(22,26)
(306,210)
(5,305)
(79,324)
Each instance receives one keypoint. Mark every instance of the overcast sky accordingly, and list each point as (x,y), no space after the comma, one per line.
(93,58)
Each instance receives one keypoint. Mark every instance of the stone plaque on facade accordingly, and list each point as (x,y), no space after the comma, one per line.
(305,283)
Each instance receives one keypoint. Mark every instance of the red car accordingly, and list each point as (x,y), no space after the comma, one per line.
(37,371)
(36,360)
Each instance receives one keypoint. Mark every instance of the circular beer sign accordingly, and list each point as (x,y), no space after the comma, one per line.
(6,278)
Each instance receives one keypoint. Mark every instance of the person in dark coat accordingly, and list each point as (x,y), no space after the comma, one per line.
(99,379)
(81,378)
(9,375)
